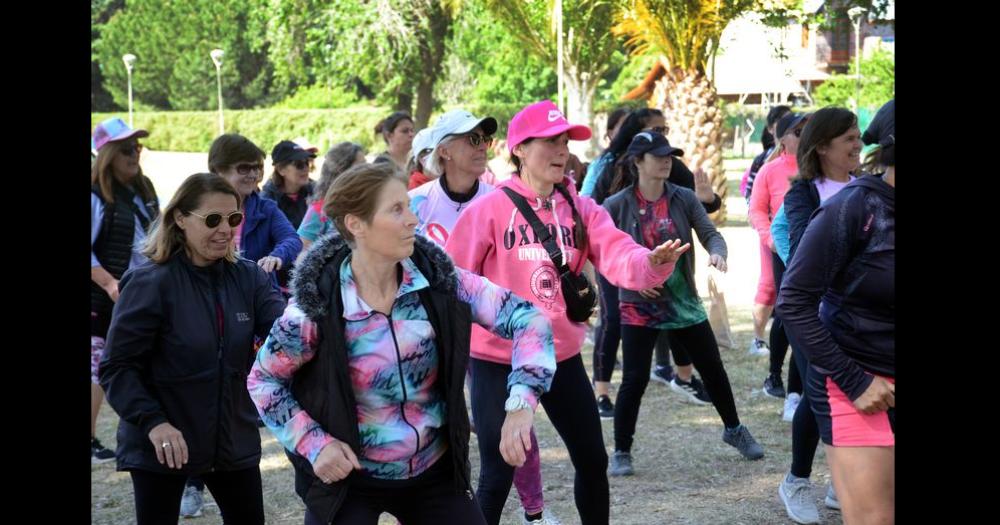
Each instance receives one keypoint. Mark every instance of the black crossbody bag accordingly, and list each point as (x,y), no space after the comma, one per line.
(577,290)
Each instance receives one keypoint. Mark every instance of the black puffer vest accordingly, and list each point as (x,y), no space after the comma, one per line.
(323,385)
(113,247)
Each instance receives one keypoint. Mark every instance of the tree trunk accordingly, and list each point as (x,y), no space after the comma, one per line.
(690,104)
(425,102)
(580,108)
(404,101)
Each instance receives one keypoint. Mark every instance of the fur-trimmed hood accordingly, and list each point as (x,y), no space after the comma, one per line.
(311,282)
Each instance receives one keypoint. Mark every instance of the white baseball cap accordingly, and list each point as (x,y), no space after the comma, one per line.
(458,121)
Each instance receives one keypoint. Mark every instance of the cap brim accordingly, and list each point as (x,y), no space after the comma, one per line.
(138,133)
(576,132)
(488,124)
(664,151)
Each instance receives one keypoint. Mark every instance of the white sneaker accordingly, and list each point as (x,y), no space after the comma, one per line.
(759,348)
(546,519)
(796,495)
(791,403)
(831,500)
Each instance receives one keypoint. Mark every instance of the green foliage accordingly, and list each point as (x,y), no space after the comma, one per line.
(878,83)
(195,130)
(318,97)
(172,42)
(616,84)
(492,68)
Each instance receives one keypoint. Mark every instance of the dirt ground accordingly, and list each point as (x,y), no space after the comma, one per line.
(685,474)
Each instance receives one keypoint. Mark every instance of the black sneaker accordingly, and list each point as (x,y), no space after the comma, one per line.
(693,391)
(99,454)
(740,438)
(605,407)
(662,374)
(774,387)
(621,464)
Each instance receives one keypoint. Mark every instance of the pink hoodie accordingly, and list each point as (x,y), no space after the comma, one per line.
(768,193)
(492,239)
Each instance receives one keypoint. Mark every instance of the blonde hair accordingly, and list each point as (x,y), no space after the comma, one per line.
(167,238)
(356,192)
(434,166)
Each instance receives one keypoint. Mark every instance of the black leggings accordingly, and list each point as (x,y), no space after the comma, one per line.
(779,340)
(427,499)
(238,494)
(805,431)
(607,335)
(637,349)
(571,408)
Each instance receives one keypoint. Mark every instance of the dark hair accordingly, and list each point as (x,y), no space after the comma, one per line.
(773,116)
(336,161)
(166,238)
(230,149)
(634,122)
(613,119)
(386,126)
(822,127)
(356,192)
(102,174)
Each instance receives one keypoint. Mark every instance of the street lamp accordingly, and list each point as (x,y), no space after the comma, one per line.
(129,59)
(217,60)
(856,13)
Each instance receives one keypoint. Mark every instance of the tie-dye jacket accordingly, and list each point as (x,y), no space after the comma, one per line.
(393,366)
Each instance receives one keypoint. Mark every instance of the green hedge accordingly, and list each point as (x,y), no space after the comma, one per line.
(195,130)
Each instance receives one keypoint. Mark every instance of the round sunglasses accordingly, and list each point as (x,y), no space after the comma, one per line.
(212,220)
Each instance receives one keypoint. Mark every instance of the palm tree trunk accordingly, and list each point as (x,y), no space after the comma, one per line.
(690,104)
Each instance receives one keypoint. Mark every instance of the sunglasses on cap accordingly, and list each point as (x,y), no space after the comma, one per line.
(662,130)
(247,169)
(212,220)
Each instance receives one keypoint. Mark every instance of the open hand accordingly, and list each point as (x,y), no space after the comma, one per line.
(668,252)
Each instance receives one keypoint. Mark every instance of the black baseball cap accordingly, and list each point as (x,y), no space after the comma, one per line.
(651,142)
(788,122)
(882,129)
(288,151)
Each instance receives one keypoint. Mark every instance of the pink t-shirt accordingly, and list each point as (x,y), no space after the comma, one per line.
(768,193)
(828,188)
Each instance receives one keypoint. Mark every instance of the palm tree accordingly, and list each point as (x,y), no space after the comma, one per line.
(685,34)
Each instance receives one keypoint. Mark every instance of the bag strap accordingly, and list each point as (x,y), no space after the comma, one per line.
(577,220)
(543,233)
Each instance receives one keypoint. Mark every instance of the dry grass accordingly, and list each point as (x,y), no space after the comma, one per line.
(684,472)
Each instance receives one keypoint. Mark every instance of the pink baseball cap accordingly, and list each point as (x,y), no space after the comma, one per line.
(113,130)
(541,119)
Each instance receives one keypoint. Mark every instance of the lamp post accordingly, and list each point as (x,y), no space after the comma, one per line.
(217,60)
(129,59)
(856,13)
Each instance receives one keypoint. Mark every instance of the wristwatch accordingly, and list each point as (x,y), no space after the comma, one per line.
(515,403)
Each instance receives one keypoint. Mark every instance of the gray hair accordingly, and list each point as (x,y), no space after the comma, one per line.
(434,166)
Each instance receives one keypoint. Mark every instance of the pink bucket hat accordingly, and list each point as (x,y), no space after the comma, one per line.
(541,119)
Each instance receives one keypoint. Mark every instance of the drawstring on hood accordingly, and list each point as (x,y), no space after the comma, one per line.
(547,204)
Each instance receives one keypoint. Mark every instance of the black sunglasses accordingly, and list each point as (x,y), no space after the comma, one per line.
(300,164)
(797,131)
(662,130)
(212,220)
(132,149)
(247,169)
(476,139)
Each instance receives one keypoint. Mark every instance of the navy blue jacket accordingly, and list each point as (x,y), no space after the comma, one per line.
(166,360)
(837,298)
(266,231)
(801,200)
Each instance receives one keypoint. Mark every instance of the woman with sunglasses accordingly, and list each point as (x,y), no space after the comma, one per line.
(494,239)
(123,202)
(290,187)
(266,235)
(179,349)
(459,143)
(362,378)
(766,197)
(653,210)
